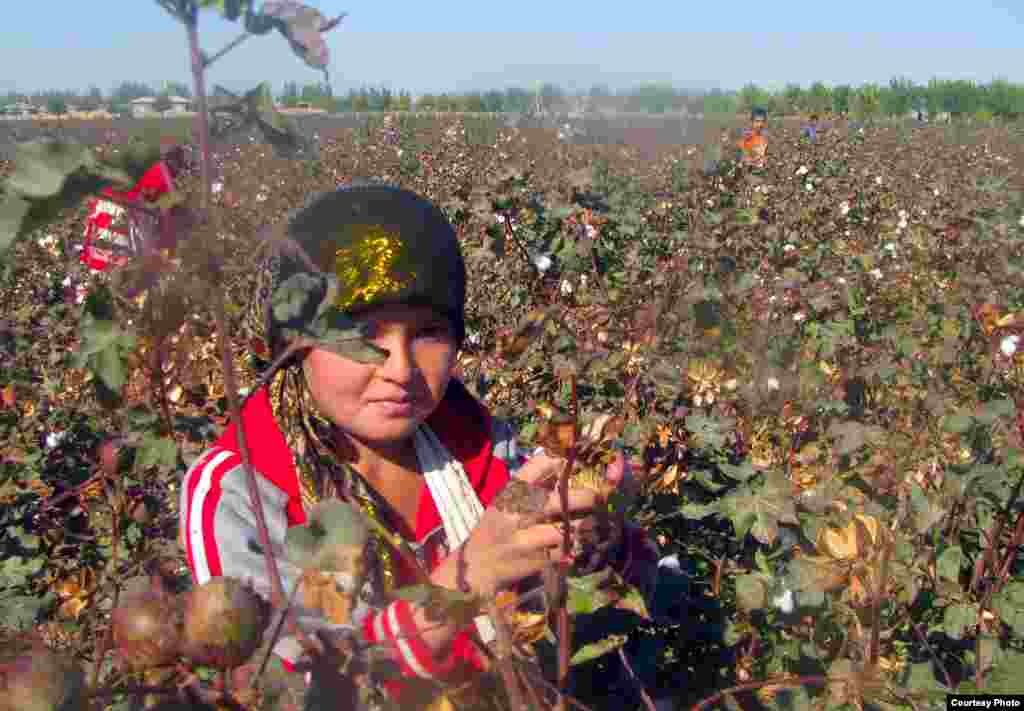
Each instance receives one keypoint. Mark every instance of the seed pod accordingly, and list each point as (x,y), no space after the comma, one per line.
(35,678)
(224,623)
(147,630)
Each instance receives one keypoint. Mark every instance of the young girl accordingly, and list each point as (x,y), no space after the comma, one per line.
(402,439)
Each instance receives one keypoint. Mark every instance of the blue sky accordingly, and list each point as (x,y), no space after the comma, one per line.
(465,44)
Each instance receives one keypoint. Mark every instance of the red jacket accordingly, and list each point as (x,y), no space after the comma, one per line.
(218,527)
(217,523)
(105,245)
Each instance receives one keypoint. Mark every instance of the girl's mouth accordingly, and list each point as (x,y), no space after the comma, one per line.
(395,408)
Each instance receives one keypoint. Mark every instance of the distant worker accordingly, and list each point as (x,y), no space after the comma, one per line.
(110,239)
(810,129)
(754,144)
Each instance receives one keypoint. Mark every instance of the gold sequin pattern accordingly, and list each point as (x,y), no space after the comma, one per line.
(376,265)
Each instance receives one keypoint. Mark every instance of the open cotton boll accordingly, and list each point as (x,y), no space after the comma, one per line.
(784,602)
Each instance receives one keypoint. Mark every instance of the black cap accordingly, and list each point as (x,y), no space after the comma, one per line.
(385,245)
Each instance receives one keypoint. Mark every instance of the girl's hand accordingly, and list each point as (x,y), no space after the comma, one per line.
(510,544)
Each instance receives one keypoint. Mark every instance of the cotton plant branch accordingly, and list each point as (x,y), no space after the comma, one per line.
(564,629)
(277,595)
(778,683)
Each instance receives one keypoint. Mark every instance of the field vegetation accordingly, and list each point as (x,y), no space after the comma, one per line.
(816,369)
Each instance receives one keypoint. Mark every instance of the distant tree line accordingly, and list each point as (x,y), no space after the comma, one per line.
(900,97)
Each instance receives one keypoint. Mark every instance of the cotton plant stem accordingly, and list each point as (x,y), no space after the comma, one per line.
(876,610)
(564,630)
(508,675)
(636,681)
(207,61)
(784,683)
(277,596)
(108,630)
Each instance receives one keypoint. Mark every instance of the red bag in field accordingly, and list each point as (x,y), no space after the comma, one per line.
(109,240)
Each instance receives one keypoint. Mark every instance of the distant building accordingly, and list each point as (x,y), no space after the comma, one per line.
(144,106)
(19,110)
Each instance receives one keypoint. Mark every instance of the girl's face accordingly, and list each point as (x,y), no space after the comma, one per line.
(381,405)
(758,124)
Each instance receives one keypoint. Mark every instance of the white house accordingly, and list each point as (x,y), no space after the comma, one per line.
(143,106)
(19,110)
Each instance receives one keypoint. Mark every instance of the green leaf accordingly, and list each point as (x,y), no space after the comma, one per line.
(442,603)
(1009,604)
(108,365)
(589,593)
(949,563)
(159,452)
(958,423)
(230,10)
(699,511)
(751,592)
(334,539)
(51,175)
(256,109)
(42,166)
(959,618)
(296,296)
(13,211)
(20,611)
(592,651)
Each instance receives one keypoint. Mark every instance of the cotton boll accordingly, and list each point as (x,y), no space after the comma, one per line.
(785,602)
(1009,345)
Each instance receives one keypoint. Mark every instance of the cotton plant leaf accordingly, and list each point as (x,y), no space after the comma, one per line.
(304,306)
(332,540)
(52,175)
(230,10)
(303,27)
(751,592)
(256,110)
(442,603)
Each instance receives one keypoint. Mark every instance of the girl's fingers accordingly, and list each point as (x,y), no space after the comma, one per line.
(540,467)
(580,500)
(540,536)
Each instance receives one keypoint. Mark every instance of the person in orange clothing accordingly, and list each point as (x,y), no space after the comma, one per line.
(110,240)
(754,144)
